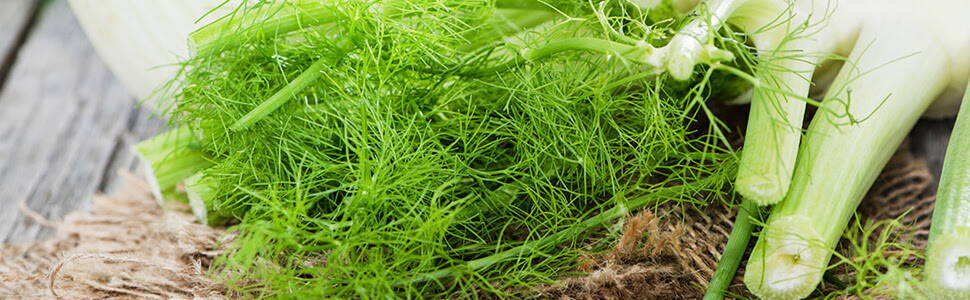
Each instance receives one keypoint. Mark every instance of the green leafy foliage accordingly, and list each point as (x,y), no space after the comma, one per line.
(427,141)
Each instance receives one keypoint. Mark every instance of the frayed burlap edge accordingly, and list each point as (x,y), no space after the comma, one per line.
(124,248)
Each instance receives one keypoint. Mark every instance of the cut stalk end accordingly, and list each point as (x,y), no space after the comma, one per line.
(773,136)
(201,193)
(690,46)
(948,265)
(168,159)
(762,190)
(948,258)
(682,56)
(787,263)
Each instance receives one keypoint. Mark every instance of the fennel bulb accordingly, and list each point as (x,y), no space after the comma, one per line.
(143,41)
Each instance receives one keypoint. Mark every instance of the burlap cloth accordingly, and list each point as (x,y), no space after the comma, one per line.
(126,248)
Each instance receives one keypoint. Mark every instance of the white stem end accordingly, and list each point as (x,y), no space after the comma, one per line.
(948,265)
(788,261)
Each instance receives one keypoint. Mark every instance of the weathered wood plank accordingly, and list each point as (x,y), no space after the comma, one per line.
(142,125)
(63,119)
(15,17)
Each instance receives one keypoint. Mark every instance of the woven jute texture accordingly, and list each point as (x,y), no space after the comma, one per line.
(126,248)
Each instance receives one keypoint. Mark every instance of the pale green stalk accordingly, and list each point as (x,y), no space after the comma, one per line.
(948,255)
(201,193)
(691,45)
(783,81)
(290,91)
(787,63)
(888,82)
(168,159)
(727,266)
(774,126)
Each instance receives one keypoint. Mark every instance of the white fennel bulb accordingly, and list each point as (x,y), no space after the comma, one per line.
(142,41)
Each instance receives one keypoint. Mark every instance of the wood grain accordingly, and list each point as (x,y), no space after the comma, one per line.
(15,18)
(64,123)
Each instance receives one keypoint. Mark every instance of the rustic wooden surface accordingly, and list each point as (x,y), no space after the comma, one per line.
(15,17)
(65,123)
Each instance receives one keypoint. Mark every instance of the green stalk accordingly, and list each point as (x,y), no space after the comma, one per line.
(169,158)
(643,53)
(639,53)
(948,255)
(284,17)
(267,21)
(305,79)
(888,82)
(688,48)
(777,106)
(783,80)
(570,233)
(774,128)
(507,23)
(733,252)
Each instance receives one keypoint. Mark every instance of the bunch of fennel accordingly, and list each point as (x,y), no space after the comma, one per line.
(893,73)
(423,148)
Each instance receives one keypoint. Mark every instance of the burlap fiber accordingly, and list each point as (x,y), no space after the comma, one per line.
(124,248)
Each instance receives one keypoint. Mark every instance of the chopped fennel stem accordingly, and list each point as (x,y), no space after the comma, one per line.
(201,194)
(774,131)
(168,159)
(777,105)
(888,83)
(948,256)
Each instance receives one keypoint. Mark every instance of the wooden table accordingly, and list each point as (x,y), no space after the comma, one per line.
(66,124)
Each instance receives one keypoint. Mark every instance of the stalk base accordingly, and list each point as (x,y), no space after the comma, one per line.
(786,263)
(948,265)
(760,190)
